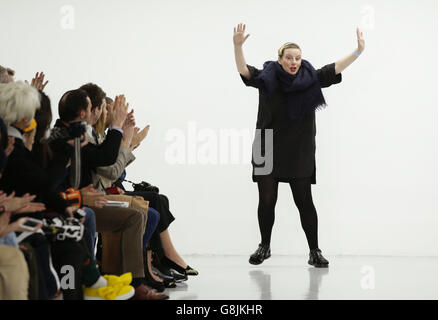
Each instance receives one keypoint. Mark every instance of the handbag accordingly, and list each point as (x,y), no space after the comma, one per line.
(144,186)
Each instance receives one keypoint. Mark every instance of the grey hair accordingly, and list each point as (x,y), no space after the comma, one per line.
(18,100)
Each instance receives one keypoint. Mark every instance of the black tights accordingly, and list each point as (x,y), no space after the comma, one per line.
(302,194)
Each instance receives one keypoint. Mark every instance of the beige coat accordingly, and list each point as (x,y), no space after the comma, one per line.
(103,177)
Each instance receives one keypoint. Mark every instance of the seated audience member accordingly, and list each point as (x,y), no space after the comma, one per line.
(18,102)
(104,176)
(75,106)
(167,259)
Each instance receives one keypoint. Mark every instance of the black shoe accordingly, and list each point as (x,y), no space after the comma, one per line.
(188,271)
(169,272)
(179,277)
(154,284)
(159,285)
(163,276)
(191,272)
(151,282)
(169,284)
(263,252)
(317,260)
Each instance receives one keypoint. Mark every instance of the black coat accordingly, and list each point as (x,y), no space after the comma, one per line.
(293,140)
(92,156)
(23,175)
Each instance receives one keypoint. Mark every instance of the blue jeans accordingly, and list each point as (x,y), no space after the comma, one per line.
(9,240)
(151,225)
(90,226)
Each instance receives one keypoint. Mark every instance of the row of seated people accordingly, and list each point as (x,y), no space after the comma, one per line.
(56,184)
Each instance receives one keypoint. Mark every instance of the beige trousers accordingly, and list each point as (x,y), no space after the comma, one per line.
(14,274)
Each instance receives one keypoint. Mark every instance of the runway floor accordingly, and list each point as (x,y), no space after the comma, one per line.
(291,278)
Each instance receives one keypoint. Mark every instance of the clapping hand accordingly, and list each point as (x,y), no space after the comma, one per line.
(128,129)
(38,81)
(120,111)
(139,136)
(22,204)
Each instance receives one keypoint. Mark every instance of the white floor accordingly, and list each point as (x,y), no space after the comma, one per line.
(290,278)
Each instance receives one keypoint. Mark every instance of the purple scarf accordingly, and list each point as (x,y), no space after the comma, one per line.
(303,90)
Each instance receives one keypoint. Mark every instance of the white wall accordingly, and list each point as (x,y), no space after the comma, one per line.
(376,142)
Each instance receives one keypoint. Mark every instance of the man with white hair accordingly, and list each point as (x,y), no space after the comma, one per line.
(18,104)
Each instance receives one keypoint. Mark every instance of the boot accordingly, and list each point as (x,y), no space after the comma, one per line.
(317,260)
(263,252)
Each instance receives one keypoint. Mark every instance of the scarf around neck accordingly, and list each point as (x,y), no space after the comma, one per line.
(302,89)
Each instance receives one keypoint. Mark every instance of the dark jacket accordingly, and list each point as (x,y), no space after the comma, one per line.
(293,146)
(23,175)
(92,156)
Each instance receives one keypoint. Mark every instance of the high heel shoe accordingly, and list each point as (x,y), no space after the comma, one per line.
(159,285)
(149,279)
(151,282)
(171,264)
(162,275)
(168,271)
(169,283)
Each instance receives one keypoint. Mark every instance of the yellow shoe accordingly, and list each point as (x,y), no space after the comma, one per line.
(124,279)
(117,288)
(108,293)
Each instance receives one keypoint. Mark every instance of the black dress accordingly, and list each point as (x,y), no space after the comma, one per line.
(293,140)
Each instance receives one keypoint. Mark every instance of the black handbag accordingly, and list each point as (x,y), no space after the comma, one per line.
(144,186)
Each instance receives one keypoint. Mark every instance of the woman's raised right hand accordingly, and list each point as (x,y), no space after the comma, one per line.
(239,35)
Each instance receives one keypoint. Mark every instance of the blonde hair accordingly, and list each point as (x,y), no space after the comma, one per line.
(287,45)
(18,100)
(100,127)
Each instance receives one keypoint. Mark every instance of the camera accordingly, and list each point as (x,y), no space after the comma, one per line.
(77,129)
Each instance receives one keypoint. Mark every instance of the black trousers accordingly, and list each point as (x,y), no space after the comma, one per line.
(75,254)
(46,283)
(302,195)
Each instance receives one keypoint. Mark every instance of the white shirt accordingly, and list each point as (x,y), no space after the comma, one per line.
(14,132)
